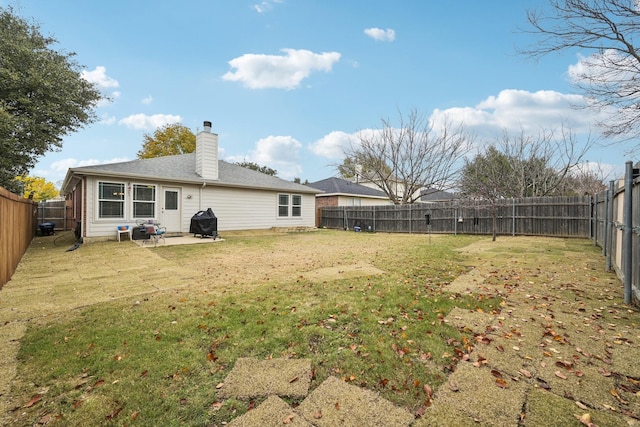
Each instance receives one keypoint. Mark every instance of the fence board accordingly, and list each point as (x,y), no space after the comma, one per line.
(549,216)
(17,228)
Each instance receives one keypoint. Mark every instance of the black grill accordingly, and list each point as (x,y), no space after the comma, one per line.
(204,223)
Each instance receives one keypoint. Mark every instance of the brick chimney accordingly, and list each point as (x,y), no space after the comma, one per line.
(207,153)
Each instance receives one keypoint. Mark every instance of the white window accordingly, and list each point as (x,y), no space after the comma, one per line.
(296,205)
(144,201)
(283,205)
(289,205)
(110,200)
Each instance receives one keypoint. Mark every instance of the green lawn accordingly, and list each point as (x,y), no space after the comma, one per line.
(156,358)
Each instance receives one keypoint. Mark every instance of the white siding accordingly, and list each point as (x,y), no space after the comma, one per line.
(235,208)
(239,209)
(207,155)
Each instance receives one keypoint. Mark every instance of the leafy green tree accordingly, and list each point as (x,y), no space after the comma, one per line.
(168,140)
(38,188)
(43,97)
(256,167)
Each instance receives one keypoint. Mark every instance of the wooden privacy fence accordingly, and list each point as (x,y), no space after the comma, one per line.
(617,230)
(539,216)
(18,219)
(59,212)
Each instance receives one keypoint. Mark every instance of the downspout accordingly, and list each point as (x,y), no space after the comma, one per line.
(84,220)
(204,184)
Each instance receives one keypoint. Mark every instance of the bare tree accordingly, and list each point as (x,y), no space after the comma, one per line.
(609,76)
(541,162)
(522,166)
(401,160)
(488,177)
(586,179)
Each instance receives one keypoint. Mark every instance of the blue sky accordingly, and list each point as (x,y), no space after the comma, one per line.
(287,82)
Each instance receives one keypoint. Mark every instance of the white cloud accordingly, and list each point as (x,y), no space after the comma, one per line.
(106,119)
(99,77)
(148,100)
(379,34)
(516,110)
(266,5)
(259,71)
(332,145)
(607,66)
(277,152)
(142,121)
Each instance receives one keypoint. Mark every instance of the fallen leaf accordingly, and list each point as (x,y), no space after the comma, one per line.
(219,386)
(560,375)
(564,364)
(428,391)
(496,373)
(317,415)
(525,373)
(585,419)
(293,380)
(453,386)
(501,383)
(113,414)
(615,394)
(289,418)
(134,415)
(34,399)
(581,405)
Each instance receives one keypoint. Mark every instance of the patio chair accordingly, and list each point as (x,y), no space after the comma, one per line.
(154,234)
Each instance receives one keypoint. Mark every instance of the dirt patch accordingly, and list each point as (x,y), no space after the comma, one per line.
(336,403)
(342,272)
(251,378)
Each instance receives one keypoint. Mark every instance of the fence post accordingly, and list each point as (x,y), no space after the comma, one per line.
(609,241)
(595,219)
(513,214)
(627,246)
(374,218)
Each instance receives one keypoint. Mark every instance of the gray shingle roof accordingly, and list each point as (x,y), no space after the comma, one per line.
(342,186)
(181,168)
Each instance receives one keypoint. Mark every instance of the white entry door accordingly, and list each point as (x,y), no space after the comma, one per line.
(171,209)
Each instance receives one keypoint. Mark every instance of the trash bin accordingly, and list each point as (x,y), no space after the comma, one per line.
(47,228)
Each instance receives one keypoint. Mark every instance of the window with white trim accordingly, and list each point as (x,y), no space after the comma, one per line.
(110,200)
(289,205)
(296,205)
(144,201)
(283,205)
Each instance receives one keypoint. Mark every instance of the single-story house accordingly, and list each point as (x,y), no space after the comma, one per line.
(341,192)
(170,190)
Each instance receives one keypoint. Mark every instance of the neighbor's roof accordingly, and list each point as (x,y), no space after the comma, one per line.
(182,169)
(339,186)
(433,195)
